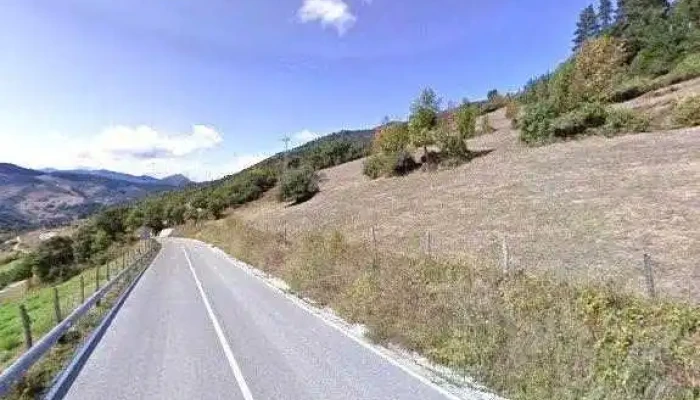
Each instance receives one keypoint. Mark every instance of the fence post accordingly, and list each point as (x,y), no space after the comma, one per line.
(56,306)
(82,289)
(97,281)
(506,256)
(430,246)
(108,273)
(649,275)
(374,246)
(26,324)
(285,232)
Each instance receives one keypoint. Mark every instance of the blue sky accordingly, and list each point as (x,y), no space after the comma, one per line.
(207,87)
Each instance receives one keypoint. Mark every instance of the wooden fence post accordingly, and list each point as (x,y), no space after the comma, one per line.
(97,281)
(430,246)
(82,289)
(506,256)
(56,306)
(649,275)
(374,249)
(26,324)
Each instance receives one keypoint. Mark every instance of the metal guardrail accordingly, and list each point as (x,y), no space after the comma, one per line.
(18,369)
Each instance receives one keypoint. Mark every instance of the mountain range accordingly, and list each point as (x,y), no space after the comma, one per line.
(30,198)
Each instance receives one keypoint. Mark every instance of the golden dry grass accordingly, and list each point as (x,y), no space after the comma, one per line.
(586,209)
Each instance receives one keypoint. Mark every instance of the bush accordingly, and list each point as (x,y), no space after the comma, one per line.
(52,259)
(299,185)
(373,166)
(625,121)
(596,68)
(687,112)
(578,121)
(513,112)
(465,119)
(392,138)
(630,89)
(20,271)
(536,123)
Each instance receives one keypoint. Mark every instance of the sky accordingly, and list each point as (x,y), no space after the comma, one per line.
(209,87)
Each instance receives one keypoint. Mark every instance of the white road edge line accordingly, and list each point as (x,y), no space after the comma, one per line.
(299,302)
(235,368)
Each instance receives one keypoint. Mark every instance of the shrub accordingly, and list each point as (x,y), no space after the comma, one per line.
(625,121)
(392,138)
(513,112)
(299,185)
(596,68)
(687,112)
(536,123)
(394,164)
(400,164)
(52,259)
(629,89)
(688,68)
(465,119)
(373,166)
(578,121)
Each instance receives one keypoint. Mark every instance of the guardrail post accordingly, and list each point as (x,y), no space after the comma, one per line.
(56,306)
(26,325)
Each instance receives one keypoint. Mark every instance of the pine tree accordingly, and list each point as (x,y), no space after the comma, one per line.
(587,27)
(605,14)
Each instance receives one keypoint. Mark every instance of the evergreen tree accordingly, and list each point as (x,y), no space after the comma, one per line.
(605,14)
(587,27)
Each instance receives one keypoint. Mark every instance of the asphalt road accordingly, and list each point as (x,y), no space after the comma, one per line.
(198,327)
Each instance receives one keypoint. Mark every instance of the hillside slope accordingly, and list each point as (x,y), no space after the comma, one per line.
(588,209)
(30,198)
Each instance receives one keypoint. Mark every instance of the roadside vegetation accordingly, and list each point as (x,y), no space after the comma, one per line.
(524,336)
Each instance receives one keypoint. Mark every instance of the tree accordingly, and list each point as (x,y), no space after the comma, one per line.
(465,119)
(52,257)
(492,95)
(587,27)
(392,138)
(423,119)
(597,65)
(605,15)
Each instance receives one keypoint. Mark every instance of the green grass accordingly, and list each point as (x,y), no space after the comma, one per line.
(9,266)
(40,307)
(524,336)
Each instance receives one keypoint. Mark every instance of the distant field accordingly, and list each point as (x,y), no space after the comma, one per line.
(587,209)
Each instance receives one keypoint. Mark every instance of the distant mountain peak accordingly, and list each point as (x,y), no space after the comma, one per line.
(176,180)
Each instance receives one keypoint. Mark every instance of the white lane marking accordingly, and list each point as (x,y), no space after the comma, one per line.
(220,334)
(299,302)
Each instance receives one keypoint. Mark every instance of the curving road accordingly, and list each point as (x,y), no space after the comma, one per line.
(198,327)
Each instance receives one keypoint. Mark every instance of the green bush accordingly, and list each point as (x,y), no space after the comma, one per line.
(299,185)
(687,112)
(625,121)
(373,166)
(630,88)
(578,121)
(536,123)
(394,164)
(53,258)
(21,270)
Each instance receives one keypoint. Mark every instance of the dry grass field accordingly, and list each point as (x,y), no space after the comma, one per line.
(586,209)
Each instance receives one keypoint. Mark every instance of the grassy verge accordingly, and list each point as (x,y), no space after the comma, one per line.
(40,376)
(526,337)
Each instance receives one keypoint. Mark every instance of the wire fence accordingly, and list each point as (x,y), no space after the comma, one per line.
(54,324)
(639,271)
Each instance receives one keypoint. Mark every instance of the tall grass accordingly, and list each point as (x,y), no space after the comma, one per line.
(526,337)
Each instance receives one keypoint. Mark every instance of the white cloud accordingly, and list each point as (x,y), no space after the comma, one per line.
(304,136)
(134,150)
(334,13)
